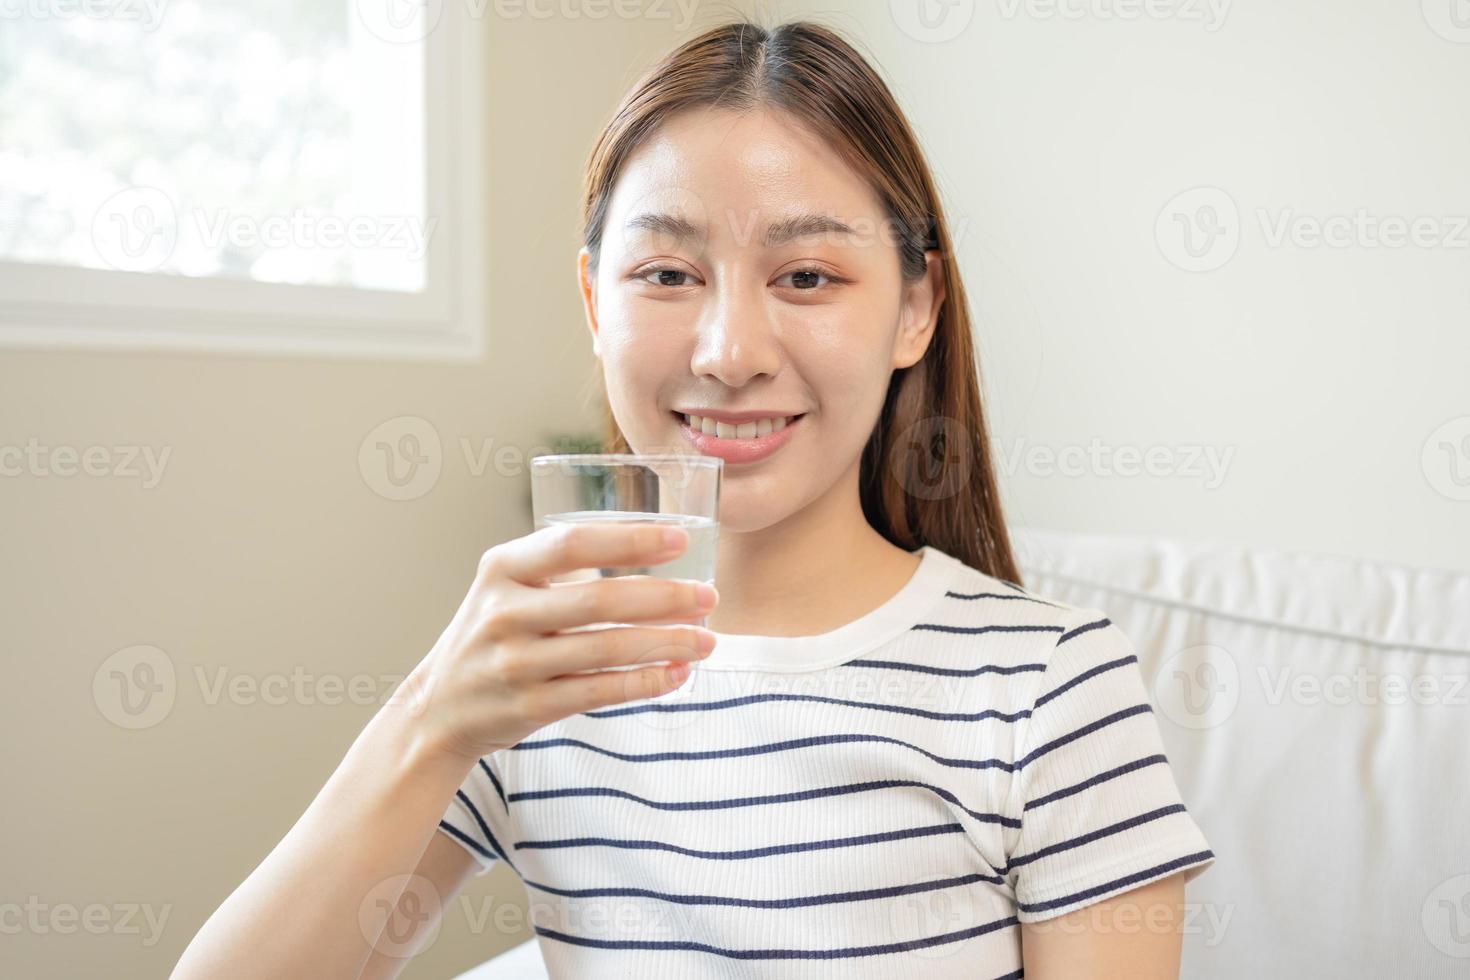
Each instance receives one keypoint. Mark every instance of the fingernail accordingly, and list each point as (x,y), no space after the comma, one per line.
(677,673)
(673,538)
(705,595)
(704,640)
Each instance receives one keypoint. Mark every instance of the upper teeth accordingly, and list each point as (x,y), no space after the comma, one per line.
(745,430)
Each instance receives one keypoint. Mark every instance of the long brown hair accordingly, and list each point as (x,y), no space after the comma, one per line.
(926,475)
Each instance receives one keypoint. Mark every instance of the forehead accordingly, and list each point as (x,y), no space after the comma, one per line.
(738,170)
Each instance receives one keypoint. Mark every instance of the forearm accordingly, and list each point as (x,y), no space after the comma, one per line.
(297,914)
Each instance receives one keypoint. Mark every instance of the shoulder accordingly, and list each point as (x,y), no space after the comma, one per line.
(1044,639)
(972,597)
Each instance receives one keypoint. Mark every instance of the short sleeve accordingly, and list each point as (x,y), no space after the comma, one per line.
(477,816)
(1099,810)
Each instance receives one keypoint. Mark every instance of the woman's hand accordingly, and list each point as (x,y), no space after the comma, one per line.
(501,670)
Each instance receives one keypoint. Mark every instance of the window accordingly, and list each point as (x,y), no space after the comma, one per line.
(243,174)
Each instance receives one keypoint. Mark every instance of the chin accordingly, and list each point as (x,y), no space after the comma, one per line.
(736,514)
(758,504)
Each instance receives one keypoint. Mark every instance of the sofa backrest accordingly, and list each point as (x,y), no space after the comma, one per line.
(1316,711)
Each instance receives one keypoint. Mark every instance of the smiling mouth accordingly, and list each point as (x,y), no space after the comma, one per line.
(728,430)
(739,443)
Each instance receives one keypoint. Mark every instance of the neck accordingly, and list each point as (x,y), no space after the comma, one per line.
(818,569)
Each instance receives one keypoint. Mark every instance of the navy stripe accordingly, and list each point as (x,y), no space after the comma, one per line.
(960,763)
(739,801)
(1135,878)
(1085,675)
(1102,777)
(484,828)
(947,671)
(788,744)
(749,852)
(1013,976)
(467,840)
(784,954)
(1084,629)
(972,630)
(1087,729)
(759,698)
(1088,838)
(771,903)
(499,791)
(950,594)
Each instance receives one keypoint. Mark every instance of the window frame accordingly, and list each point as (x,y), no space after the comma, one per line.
(51,306)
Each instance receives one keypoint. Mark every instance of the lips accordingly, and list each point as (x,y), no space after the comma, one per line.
(733,447)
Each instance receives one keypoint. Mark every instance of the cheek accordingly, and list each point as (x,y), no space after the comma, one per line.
(634,327)
(844,354)
(631,375)
(640,363)
(626,337)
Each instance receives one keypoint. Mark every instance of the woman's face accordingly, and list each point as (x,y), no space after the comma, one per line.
(745,269)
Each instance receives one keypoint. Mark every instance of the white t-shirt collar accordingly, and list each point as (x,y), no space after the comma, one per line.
(784,654)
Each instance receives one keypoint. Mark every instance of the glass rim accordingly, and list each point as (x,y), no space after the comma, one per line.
(630,459)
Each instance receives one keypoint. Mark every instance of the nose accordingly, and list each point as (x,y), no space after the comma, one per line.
(736,340)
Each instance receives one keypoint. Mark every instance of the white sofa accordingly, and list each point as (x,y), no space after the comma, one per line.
(1316,711)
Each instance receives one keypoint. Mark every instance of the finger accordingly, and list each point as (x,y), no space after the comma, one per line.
(561,548)
(562,697)
(628,599)
(619,646)
(681,619)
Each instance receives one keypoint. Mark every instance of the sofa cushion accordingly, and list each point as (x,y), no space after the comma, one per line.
(1316,712)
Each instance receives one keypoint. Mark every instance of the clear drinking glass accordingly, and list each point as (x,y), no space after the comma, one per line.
(577,488)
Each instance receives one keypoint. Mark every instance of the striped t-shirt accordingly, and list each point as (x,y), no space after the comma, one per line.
(887,799)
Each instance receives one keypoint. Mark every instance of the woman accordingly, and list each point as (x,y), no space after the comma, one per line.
(894,760)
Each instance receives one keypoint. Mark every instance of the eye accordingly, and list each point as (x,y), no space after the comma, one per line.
(667,276)
(806,280)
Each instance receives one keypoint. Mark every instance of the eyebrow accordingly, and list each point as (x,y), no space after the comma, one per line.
(777,234)
(802,225)
(665,224)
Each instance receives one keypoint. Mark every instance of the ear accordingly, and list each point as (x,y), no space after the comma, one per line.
(589,295)
(922,300)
